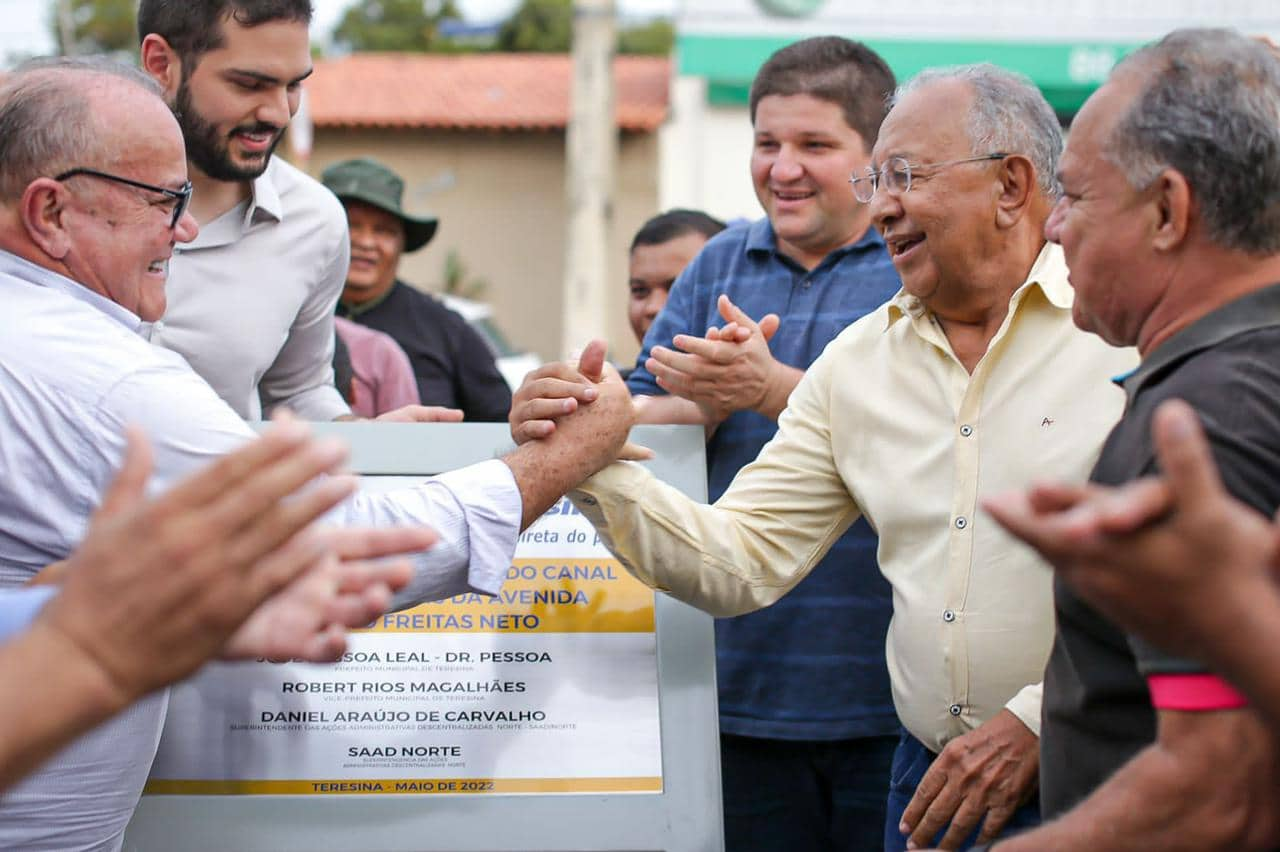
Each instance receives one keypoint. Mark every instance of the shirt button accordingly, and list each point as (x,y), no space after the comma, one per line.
(954,709)
(961,523)
(966,430)
(948,615)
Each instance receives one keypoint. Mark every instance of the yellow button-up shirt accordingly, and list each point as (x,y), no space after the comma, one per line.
(889,424)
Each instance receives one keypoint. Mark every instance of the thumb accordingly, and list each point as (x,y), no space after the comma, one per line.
(1184,453)
(591,362)
(733,313)
(769,326)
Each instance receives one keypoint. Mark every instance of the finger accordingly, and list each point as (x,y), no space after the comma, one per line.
(129,486)
(273,527)
(359,609)
(687,363)
(634,452)
(327,646)
(557,387)
(284,438)
(963,824)
(941,811)
(383,541)
(1050,497)
(1184,452)
(712,350)
(562,370)
(544,409)
(994,822)
(769,325)
(273,572)
(930,786)
(532,430)
(353,576)
(1133,506)
(732,313)
(591,363)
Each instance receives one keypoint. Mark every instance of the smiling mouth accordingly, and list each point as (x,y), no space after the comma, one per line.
(792,195)
(159,267)
(899,246)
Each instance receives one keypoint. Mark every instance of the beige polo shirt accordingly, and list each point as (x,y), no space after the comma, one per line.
(889,424)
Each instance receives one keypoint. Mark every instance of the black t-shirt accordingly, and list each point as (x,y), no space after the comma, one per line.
(452,363)
(1097,711)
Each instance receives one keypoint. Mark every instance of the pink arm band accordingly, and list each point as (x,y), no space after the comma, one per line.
(1196,692)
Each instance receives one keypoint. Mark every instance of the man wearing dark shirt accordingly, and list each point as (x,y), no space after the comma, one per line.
(453,365)
(1170,222)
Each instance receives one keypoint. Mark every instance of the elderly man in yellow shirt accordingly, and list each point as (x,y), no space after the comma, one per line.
(971,380)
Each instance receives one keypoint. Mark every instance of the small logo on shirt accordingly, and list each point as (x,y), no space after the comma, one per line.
(1048,421)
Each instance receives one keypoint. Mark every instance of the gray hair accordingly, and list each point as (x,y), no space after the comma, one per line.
(1210,110)
(1008,114)
(46,119)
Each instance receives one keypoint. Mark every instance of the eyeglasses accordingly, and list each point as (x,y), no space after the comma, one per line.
(895,175)
(181,197)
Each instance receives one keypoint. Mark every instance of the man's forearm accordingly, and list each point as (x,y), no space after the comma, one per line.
(1216,794)
(1245,654)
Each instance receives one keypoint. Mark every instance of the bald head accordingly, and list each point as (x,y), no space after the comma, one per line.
(64,113)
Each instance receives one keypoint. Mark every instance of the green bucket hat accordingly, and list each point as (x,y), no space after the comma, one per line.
(373,183)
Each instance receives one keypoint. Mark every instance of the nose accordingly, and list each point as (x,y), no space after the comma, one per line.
(275,108)
(1053,225)
(786,166)
(361,236)
(186,229)
(655,303)
(885,207)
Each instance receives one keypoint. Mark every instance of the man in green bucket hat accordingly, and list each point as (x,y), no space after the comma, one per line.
(453,365)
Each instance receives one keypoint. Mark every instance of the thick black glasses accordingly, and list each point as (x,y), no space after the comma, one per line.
(181,197)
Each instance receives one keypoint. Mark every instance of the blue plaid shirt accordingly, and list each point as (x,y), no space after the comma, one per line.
(812,666)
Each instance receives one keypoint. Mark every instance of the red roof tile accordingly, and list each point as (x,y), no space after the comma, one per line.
(492,91)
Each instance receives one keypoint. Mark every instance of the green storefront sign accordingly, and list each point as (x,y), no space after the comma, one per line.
(1066,73)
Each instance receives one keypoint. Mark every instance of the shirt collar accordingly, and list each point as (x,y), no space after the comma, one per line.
(1048,275)
(761,238)
(1259,309)
(264,196)
(263,205)
(359,309)
(13,266)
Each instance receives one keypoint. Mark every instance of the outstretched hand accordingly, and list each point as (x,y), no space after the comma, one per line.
(556,390)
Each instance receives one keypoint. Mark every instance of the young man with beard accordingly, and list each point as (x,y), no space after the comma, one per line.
(251,299)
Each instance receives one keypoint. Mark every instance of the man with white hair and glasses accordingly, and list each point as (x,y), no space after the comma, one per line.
(972,379)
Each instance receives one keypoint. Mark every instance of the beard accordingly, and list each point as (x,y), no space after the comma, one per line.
(209,151)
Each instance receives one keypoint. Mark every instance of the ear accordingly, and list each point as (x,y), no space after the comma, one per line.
(42,211)
(161,61)
(1017,190)
(1171,197)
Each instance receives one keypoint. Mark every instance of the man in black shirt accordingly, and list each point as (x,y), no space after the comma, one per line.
(451,361)
(1170,222)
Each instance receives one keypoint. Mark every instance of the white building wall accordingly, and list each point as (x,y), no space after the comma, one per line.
(704,154)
